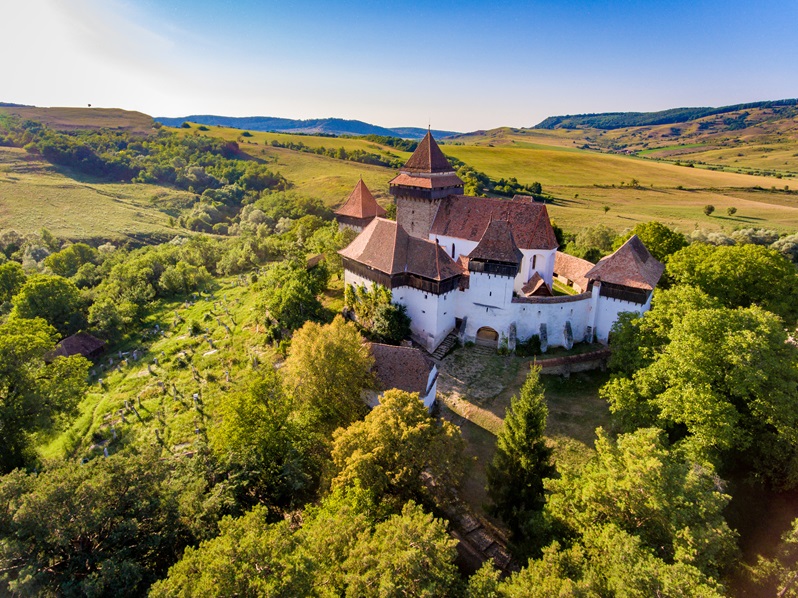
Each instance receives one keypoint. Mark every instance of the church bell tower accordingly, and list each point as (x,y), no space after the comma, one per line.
(423,181)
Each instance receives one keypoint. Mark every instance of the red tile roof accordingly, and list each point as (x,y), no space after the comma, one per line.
(428,158)
(536,287)
(465,217)
(405,368)
(573,268)
(361,203)
(497,244)
(427,182)
(630,266)
(386,246)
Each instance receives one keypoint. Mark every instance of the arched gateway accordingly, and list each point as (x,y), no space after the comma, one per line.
(487,337)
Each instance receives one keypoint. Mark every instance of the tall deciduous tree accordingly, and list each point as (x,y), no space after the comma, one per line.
(674,506)
(390,451)
(739,276)
(259,437)
(661,241)
(521,462)
(725,386)
(327,370)
(106,528)
(12,277)
(33,394)
(53,298)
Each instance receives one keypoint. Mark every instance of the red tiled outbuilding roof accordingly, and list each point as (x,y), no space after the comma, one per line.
(536,287)
(405,368)
(631,266)
(361,204)
(386,246)
(465,217)
(573,268)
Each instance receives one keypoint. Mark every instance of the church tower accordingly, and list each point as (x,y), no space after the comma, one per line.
(423,181)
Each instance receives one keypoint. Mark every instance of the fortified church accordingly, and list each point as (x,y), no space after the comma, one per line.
(483,268)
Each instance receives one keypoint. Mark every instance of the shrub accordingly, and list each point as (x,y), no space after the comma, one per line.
(708,209)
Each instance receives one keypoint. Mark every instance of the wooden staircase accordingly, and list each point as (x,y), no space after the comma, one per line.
(446,345)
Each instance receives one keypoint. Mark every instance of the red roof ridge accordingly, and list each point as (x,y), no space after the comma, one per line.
(361,203)
(428,158)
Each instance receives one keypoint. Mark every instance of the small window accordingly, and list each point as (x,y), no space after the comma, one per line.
(534,262)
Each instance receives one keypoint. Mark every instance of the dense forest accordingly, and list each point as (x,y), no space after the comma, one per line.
(619,120)
(239,458)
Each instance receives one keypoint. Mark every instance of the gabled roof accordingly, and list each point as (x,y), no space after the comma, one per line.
(386,246)
(572,267)
(536,287)
(361,204)
(465,217)
(631,266)
(405,368)
(497,244)
(81,343)
(428,158)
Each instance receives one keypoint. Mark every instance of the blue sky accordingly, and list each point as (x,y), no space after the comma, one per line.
(458,65)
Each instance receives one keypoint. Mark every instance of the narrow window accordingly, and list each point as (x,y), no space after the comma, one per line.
(452,250)
(534,262)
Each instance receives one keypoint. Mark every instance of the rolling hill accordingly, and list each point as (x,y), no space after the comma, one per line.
(317,126)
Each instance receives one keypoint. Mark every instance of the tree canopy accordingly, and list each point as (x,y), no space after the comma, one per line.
(394,447)
(739,276)
(673,506)
(34,394)
(327,370)
(54,299)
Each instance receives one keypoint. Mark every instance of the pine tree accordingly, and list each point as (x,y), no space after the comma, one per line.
(522,460)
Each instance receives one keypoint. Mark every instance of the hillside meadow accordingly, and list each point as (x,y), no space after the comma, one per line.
(34,194)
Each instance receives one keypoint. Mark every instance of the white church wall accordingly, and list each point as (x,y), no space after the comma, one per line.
(461,246)
(607,314)
(554,312)
(431,316)
(354,279)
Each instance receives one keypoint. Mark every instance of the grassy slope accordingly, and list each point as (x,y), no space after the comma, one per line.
(318,176)
(68,119)
(583,182)
(34,194)
(175,419)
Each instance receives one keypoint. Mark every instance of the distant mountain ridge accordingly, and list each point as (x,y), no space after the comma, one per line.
(315,126)
(620,120)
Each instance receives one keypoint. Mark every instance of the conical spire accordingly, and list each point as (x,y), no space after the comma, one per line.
(361,203)
(428,158)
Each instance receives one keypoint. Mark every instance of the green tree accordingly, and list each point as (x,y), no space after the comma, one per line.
(739,276)
(609,562)
(290,293)
(327,369)
(521,462)
(410,554)
(731,211)
(391,324)
(53,298)
(67,261)
(34,394)
(725,386)
(778,575)
(660,240)
(12,277)
(391,451)
(674,506)
(107,527)
(708,209)
(258,435)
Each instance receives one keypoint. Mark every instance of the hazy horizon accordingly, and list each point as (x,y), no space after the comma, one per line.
(455,65)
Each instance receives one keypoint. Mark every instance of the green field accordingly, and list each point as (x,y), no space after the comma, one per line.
(34,194)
